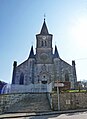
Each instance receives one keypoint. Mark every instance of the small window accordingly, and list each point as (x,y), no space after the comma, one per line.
(66,77)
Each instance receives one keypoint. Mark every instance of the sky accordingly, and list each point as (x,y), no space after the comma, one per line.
(21,20)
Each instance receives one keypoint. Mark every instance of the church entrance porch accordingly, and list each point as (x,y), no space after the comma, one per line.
(44,80)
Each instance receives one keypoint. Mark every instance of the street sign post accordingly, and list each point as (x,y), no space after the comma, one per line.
(58,85)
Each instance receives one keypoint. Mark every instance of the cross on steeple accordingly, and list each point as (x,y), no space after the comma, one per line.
(44,29)
(44,16)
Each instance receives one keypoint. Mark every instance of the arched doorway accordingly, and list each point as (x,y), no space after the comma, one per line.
(44,79)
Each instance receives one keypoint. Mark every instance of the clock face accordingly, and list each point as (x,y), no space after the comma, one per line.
(44,37)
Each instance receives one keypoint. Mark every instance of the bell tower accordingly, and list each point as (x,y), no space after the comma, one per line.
(44,50)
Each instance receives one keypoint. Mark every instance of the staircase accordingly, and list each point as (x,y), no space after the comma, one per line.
(35,102)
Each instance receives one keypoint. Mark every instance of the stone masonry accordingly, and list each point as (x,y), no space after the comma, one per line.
(24,102)
(34,102)
(68,101)
(6,100)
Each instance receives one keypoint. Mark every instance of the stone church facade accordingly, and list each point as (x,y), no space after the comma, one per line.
(44,67)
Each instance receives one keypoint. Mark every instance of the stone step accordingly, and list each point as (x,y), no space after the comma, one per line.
(31,103)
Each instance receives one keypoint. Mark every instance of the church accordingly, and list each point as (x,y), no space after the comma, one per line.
(44,67)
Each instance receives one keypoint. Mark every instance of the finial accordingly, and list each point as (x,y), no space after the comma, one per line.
(44,16)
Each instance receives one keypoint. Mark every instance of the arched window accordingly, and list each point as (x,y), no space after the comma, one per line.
(45,43)
(66,77)
(42,44)
(21,82)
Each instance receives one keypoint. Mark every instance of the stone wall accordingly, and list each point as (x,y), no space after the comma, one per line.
(69,101)
(38,100)
(6,100)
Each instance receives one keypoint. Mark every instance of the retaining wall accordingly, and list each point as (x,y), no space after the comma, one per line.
(69,101)
(6,100)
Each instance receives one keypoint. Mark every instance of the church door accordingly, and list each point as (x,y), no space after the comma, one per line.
(44,80)
(44,83)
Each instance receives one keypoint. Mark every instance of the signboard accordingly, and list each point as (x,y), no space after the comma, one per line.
(59,84)
(68,102)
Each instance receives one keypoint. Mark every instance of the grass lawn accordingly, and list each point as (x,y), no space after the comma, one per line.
(74,91)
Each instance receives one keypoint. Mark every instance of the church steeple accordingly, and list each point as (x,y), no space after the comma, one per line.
(44,30)
(44,46)
(56,54)
(31,53)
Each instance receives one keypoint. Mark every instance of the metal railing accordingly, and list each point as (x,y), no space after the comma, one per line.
(14,88)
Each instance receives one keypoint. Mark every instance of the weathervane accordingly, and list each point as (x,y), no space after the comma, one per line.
(44,16)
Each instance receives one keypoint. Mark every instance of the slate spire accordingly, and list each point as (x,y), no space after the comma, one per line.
(44,29)
(31,53)
(56,54)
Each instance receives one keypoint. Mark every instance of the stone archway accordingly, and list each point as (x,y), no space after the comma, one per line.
(44,75)
(44,78)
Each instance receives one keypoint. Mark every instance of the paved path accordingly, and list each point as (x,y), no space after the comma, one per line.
(80,115)
(61,116)
(75,114)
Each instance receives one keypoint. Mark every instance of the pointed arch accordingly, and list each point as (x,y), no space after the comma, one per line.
(21,82)
(42,44)
(66,77)
(45,43)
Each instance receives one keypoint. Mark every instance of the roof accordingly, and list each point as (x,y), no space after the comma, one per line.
(31,53)
(44,30)
(56,54)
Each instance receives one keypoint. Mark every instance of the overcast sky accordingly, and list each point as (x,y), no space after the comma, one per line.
(21,20)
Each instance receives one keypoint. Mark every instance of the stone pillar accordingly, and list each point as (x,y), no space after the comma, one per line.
(14,72)
(74,74)
(57,69)
(31,67)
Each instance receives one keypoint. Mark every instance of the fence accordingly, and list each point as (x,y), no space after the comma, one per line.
(28,88)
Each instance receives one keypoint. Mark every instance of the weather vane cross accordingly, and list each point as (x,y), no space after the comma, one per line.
(44,16)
